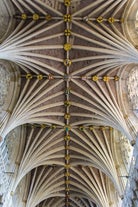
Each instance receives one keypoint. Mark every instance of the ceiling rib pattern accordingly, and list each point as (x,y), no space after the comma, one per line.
(69,63)
(48,182)
(36,48)
(46,147)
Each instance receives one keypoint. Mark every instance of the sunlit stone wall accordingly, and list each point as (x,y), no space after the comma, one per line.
(132,84)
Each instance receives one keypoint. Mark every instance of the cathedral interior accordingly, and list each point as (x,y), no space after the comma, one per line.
(69,103)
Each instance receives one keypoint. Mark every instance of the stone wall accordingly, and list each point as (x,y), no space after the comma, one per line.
(132,84)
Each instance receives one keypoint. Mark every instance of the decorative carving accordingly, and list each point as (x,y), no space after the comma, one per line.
(100,19)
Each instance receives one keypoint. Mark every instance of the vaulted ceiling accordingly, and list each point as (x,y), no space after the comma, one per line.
(65,66)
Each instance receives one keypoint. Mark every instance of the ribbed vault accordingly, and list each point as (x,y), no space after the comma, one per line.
(69,54)
(86,186)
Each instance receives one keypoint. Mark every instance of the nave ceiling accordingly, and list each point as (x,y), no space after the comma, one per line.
(68,126)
